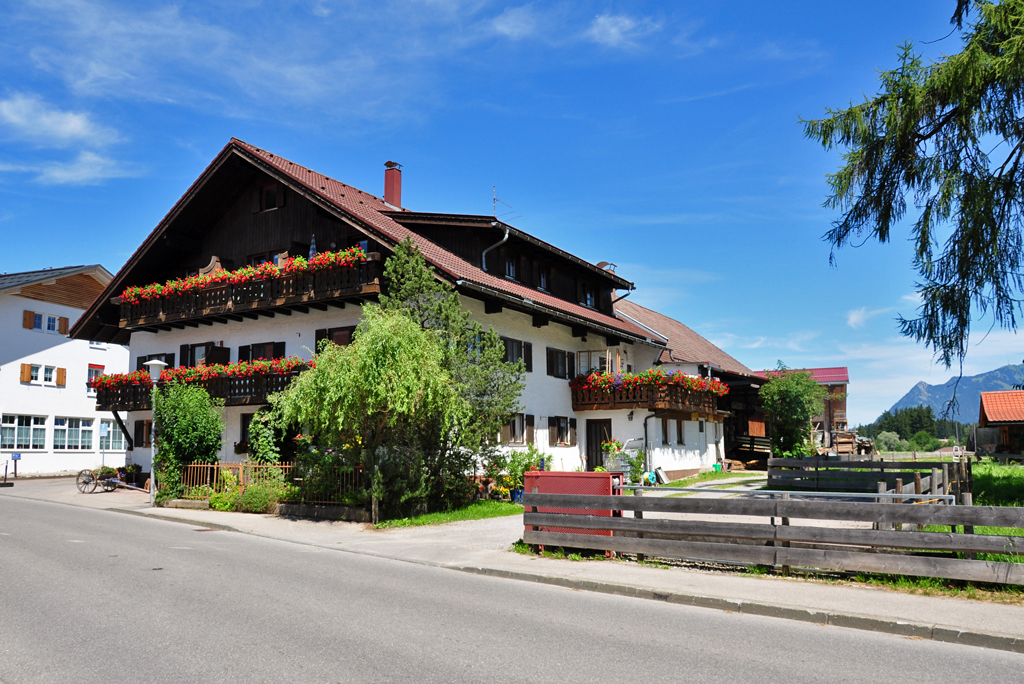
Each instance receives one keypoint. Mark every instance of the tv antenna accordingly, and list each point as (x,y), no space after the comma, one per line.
(496,201)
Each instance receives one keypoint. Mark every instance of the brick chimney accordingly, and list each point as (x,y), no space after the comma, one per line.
(393,184)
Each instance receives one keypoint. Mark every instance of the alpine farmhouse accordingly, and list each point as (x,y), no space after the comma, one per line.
(558,313)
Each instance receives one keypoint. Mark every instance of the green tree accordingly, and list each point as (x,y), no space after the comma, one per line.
(887,442)
(947,136)
(475,359)
(189,426)
(791,398)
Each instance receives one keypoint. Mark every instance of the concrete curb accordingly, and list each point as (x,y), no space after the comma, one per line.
(1001,642)
(916,630)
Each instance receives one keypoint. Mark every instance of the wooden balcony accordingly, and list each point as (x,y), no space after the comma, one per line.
(234,391)
(645,397)
(300,291)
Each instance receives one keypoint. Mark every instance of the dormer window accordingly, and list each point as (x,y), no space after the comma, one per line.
(588,295)
(511,270)
(268,197)
(544,277)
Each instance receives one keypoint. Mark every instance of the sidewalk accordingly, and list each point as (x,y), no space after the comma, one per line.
(481,547)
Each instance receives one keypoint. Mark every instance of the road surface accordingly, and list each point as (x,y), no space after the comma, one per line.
(98,596)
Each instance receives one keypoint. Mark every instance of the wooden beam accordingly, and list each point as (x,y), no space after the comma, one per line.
(233,317)
(579,331)
(283,311)
(612,341)
(335,302)
(218,319)
(250,315)
(191,324)
(177,326)
(165,328)
(491,307)
(264,312)
(204,321)
(300,308)
(318,306)
(540,321)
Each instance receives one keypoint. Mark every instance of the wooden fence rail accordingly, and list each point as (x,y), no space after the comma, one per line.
(310,485)
(906,552)
(823,474)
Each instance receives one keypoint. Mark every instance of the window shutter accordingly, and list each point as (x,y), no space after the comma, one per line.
(244,352)
(280,195)
(140,433)
(62,325)
(28,319)
(570,365)
(552,430)
(321,334)
(528,356)
(506,433)
(26,372)
(139,361)
(169,360)
(183,356)
(279,350)
(572,432)
(551,361)
(62,377)
(529,429)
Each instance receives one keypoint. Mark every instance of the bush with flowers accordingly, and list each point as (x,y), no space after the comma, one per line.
(187,374)
(612,446)
(655,377)
(247,274)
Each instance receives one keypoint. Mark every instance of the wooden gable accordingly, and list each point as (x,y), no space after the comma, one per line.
(77,291)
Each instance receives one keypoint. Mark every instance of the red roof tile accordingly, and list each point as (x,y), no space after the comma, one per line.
(368,208)
(1002,407)
(684,345)
(825,376)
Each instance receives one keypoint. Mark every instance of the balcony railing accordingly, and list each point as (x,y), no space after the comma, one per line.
(235,391)
(287,290)
(670,398)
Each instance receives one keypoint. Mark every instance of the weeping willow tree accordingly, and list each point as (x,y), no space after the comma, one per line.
(942,145)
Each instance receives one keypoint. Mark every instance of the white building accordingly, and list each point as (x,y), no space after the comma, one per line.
(555,310)
(48,415)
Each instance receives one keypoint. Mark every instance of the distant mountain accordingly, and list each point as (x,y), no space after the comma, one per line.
(968,394)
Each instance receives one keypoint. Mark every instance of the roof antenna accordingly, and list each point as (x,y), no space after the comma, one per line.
(494,205)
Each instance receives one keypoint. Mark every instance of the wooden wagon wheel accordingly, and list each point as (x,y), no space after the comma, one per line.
(108,484)
(86,481)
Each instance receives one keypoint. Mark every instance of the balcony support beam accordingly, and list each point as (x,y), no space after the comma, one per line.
(540,321)
(251,315)
(318,306)
(337,303)
(300,308)
(233,317)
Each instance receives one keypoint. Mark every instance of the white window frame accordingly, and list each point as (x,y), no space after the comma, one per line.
(11,430)
(114,441)
(89,376)
(35,373)
(38,321)
(517,429)
(52,370)
(55,321)
(77,433)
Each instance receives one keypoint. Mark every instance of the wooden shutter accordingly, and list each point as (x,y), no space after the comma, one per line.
(245,352)
(28,319)
(529,429)
(528,356)
(570,365)
(278,348)
(140,361)
(572,432)
(506,433)
(552,430)
(551,361)
(26,372)
(280,195)
(169,360)
(62,377)
(320,334)
(183,355)
(62,325)
(140,433)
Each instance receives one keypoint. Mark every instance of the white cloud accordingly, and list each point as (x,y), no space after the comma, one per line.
(516,22)
(29,117)
(619,30)
(857,318)
(87,168)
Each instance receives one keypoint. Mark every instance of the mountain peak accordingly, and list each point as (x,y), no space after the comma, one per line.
(968,393)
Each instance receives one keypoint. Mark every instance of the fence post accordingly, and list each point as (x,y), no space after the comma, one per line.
(785,521)
(968,500)
(639,515)
(935,481)
(899,500)
(917,490)
(945,478)
(882,489)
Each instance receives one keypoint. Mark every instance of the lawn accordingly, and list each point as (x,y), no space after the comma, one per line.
(478,510)
(710,475)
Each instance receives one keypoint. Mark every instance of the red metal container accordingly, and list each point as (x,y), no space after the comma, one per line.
(602,484)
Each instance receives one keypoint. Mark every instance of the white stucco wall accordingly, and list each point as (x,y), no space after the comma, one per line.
(542,397)
(47,400)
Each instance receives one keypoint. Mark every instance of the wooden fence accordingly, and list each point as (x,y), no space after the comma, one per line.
(899,477)
(778,543)
(331,485)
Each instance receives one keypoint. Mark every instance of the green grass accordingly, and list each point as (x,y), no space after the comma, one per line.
(478,510)
(998,485)
(705,477)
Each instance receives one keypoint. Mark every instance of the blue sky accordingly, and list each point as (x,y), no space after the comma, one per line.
(663,137)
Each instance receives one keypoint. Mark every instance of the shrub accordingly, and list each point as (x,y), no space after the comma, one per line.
(887,441)
(258,499)
(189,426)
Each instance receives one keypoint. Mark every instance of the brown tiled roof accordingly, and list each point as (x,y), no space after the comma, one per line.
(836,375)
(369,209)
(684,345)
(1002,407)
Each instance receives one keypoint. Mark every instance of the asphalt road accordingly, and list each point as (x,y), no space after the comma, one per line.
(97,596)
